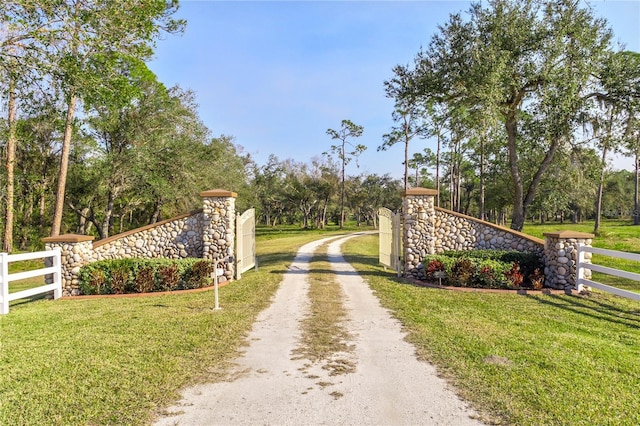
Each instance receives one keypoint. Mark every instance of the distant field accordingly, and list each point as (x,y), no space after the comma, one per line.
(26,265)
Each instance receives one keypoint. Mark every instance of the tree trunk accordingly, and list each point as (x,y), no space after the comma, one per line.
(42,203)
(517,218)
(344,165)
(108,214)
(64,166)
(406,154)
(596,226)
(636,202)
(438,172)
(482,180)
(7,244)
(157,211)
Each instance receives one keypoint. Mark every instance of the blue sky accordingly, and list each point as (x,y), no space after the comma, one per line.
(277,74)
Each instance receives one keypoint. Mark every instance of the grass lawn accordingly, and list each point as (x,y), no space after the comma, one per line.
(536,359)
(118,361)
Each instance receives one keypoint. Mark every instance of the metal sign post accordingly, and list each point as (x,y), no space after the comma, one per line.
(218,272)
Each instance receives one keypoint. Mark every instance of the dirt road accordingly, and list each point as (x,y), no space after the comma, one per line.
(270,387)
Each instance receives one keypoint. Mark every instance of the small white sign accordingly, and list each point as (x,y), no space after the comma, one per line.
(219,272)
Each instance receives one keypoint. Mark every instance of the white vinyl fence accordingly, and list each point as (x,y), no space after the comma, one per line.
(582,265)
(6,277)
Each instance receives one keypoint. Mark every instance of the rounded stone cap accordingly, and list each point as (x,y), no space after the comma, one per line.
(569,234)
(420,191)
(68,238)
(218,193)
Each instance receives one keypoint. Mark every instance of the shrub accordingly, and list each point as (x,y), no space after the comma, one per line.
(537,279)
(119,281)
(461,272)
(168,277)
(514,276)
(487,269)
(97,282)
(145,279)
(490,274)
(118,276)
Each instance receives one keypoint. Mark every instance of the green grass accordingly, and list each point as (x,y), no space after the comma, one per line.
(614,235)
(537,359)
(119,361)
(324,338)
(26,265)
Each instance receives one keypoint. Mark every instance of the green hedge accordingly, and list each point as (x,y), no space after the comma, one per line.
(120,276)
(486,269)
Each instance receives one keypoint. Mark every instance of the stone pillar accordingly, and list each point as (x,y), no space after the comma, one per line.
(561,256)
(218,233)
(419,237)
(75,251)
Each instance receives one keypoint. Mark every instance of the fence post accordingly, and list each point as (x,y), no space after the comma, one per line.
(57,276)
(418,209)
(561,258)
(75,251)
(580,268)
(4,283)
(218,233)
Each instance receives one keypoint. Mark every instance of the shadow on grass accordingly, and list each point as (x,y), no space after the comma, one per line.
(18,302)
(592,309)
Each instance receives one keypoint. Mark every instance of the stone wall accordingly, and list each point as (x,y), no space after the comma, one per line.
(456,231)
(175,238)
(207,234)
(428,230)
(561,258)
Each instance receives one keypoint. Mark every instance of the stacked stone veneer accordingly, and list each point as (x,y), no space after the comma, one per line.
(174,239)
(207,234)
(419,230)
(428,230)
(456,231)
(561,254)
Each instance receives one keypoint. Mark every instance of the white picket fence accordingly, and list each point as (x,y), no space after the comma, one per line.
(581,281)
(6,277)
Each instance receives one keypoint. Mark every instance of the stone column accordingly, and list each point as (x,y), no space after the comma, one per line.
(75,251)
(419,237)
(218,233)
(561,256)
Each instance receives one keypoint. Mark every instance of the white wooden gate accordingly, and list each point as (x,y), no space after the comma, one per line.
(390,246)
(245,242)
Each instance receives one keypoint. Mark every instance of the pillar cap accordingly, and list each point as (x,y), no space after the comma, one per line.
(569,234)
(69,238)
(218,193)
(420,191)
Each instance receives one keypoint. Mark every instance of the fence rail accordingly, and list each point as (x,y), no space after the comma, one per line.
(582,265)
(6,277)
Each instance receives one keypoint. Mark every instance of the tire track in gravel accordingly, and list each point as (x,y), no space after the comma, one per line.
(269,386)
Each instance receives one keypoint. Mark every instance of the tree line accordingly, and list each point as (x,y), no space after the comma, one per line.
(525,100)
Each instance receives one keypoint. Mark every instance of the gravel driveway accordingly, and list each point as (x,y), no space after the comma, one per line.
(267,387)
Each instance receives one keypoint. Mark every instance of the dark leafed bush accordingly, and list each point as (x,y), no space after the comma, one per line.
(145,279)
(133,275)
(527,262)
(97,283)
(487,269)
(200,275)
(119,281)
(514,276)
(168,277)
(461,272)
